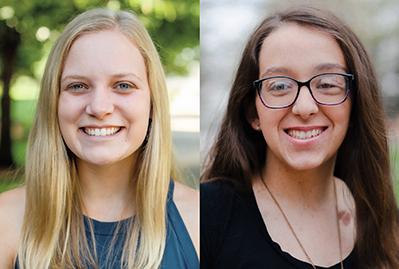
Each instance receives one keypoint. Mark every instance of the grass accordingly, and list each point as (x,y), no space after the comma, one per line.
(8,185)
(10,179)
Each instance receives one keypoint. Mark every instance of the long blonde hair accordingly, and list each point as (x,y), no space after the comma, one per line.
(53,234)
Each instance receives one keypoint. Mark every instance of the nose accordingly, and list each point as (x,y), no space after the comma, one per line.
(305,106)
(100,104)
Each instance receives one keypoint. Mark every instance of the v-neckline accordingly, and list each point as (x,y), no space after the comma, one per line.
(297,263)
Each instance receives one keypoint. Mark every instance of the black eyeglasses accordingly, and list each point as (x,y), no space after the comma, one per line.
(326,89)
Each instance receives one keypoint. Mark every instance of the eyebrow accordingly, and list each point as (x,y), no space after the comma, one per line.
(273,70)
(329,67)
(118,75)
(319,67)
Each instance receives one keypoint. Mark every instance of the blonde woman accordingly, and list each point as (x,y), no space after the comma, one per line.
(99,189)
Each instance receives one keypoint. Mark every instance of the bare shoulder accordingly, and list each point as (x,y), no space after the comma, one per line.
(12,208)
(187,202)
(186,195)
(346,216)
(344,196)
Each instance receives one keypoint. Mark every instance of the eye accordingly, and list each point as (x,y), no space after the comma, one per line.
(278,85)
(125,86)
(77,87)
(325,86)
(329,82)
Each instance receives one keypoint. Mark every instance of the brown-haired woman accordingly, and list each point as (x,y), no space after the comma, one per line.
(299,175)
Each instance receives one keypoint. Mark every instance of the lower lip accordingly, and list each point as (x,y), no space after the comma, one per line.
(93,137)
(306,142)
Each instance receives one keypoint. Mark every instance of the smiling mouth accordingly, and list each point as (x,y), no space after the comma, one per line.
(304,135)
(101,131)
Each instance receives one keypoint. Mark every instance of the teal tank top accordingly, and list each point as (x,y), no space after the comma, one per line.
(179,250)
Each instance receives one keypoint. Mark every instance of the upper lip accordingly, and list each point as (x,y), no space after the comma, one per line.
(306,128)
(100,126)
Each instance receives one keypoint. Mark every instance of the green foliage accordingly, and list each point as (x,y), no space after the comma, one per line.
(173,25)
(21,115)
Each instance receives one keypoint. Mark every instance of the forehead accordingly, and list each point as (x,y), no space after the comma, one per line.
(300,50)
(104,52)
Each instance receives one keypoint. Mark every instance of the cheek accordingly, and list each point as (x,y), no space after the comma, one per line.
(69,111)
(65,112)
(344,128)
(341,117)
(69,106)
(269,119)
(66,130)
(137,114)
(136,109)
(348,110)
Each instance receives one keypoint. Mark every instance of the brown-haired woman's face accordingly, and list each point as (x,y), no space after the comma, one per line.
(305,135)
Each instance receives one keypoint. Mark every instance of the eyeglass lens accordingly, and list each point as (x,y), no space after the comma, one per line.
(326,89)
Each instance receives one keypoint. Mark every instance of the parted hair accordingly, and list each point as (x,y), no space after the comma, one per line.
(362,161)
(53,233)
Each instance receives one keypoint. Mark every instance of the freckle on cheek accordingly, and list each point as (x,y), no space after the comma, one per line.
(345,217)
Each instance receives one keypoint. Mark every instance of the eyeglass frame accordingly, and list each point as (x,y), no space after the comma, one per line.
(257,84)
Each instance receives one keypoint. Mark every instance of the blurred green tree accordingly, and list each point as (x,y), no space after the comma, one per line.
(8,48)
(29,27)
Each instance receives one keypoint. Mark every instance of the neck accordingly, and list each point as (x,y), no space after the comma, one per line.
(107,191)
(308,188)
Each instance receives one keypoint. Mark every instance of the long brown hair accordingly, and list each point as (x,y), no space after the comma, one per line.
(362,161)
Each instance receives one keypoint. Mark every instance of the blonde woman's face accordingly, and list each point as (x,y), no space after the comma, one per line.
(104,104)
(305,135)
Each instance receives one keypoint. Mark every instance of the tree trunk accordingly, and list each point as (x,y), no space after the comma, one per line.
(9,47)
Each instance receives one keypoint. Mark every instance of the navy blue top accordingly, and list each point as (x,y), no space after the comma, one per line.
(179,251)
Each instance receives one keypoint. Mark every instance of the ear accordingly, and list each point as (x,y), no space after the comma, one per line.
(253,119)
(255,123)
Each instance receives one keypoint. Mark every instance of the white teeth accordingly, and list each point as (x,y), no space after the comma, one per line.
(304,134)
(101,131)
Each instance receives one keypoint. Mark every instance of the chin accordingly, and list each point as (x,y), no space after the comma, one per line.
(101,161)
(304,165)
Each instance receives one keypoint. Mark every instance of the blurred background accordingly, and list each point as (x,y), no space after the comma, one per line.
(28,29)
(226,26)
